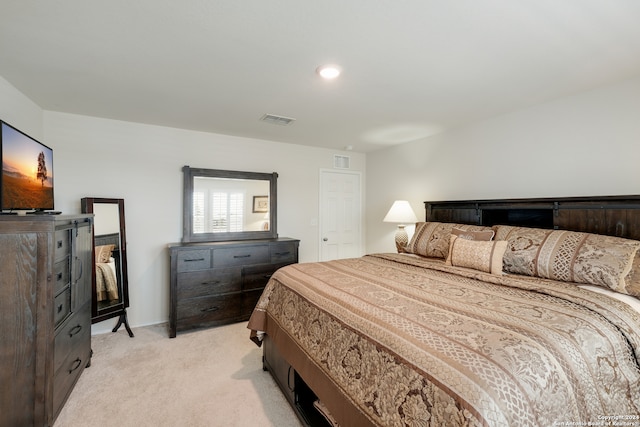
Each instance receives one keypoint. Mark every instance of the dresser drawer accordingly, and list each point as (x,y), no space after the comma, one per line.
(73,333)
(257,276)
(62,306)
(61,244)
(69,370)
(249,301)
(283,252)
(227,289)
(242,255)
(200,311)
(192,260)
(60,275)
(209,282)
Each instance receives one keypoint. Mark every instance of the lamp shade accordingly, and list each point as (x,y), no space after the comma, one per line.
(400,212)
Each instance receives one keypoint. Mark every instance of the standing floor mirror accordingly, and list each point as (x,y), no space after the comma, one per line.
(110,296)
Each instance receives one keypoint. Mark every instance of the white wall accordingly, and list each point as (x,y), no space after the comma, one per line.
(583,145)
(142,164)
(19,111)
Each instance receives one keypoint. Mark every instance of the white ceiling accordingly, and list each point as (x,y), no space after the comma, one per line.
(411,67)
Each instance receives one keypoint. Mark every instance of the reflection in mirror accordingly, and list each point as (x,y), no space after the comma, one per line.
(224,205)
(107,258)
(228,205)
(110,285)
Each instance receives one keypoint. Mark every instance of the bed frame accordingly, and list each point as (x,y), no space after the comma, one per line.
(610,215)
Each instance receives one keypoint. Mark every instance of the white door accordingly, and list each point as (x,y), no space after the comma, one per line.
(340,215)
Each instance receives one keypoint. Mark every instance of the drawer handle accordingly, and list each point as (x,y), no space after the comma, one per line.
(59,277)
(60,308)
(76,329)
(211,282)
(194,260)
(59,244)
(242,256)
(210,309)
(283,253)
(76,365)
(289,385)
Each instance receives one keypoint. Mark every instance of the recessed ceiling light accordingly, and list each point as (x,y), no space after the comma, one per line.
(328,72)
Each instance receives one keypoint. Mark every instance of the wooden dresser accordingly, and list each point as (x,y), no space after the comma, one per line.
(45,314)
(220,282)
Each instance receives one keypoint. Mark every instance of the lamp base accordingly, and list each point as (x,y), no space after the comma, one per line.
(402,239)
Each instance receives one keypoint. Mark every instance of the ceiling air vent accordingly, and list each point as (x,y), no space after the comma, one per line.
(341,162)
(277,120)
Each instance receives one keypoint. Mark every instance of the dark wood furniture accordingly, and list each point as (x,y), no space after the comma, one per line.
(610,215)
(217,283)
(109,215)
(295,390)
(107,309)
(45,314)
(199,180)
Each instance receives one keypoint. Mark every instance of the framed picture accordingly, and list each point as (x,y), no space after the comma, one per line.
(260,204)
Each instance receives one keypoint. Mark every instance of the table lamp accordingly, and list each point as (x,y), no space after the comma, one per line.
(402,214)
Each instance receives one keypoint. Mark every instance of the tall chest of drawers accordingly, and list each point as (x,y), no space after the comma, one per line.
(45,314)
(217,283)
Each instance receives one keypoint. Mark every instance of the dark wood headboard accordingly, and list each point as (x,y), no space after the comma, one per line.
(609,215)
(108,239)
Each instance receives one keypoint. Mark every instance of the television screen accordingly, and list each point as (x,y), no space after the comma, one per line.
(27,172)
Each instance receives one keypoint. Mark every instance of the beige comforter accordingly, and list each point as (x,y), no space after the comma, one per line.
(106,281)
(414,342)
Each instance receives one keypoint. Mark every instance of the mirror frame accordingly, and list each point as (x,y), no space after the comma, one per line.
(189,236)
(116,309)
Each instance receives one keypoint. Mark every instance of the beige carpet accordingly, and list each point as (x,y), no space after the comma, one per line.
(210,377)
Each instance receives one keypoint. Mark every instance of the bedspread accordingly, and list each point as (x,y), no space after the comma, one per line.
(411,341)
(106,281)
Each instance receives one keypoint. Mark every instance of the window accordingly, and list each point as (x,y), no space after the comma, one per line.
(198,211)
(226,212)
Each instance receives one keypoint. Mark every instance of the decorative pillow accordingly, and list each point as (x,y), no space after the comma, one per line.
(569,256)
(632,280)
(522,249)
(103,253)
(473,235)
(431,239)
(477,254)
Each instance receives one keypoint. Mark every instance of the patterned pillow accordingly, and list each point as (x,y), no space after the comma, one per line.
(568,256)
(477,254)
(431,239)
(632,280)
(103,253)
(473,235)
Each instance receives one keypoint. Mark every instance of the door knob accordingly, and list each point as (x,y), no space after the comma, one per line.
(325,239)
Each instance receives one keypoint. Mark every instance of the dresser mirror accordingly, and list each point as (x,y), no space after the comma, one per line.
(110,296)
(221,205)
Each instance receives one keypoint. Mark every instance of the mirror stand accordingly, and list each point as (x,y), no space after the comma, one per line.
(122,320)
(110,296)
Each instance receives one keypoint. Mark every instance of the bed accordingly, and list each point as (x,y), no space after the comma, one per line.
(106,245)
(540,325)
(106,282)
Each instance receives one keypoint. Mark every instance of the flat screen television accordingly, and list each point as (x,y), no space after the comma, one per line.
(26,182)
